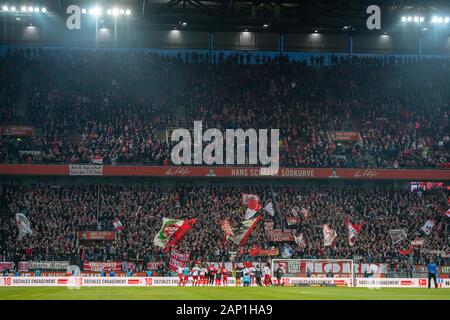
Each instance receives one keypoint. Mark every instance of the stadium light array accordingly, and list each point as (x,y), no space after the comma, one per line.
(24,9)
(440,20)
(415,19)
(98,11)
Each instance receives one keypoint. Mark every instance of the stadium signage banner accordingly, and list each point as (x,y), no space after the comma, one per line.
(279,235)
(392,282)
(230,172)
(99,266)
(6,265)
(85,170)
(154,265)
(313,281)
(48,265)
(173,281)
(16,131)
(97,235)
(299,268)
(178,259)
(443,254)
(344,136)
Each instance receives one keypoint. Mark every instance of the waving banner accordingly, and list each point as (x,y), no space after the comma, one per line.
(397,235)
(256,251)
(242,233)
(171,232)
(253,206)
(280,235)
(178,259)
(353,231)
(23,224)
(269,209)
(226,227)
(428,226)
(328,235)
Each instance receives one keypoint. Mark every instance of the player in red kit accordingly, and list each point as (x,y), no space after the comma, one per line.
(224,272)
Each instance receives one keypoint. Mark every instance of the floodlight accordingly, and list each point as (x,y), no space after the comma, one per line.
(96,11)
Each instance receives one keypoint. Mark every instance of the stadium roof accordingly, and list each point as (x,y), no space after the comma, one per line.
(279,15)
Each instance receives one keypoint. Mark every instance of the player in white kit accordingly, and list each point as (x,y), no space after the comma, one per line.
(195,274)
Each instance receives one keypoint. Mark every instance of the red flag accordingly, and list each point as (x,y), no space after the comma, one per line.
(179,234)
(353,231)
(406,252)
(253,206)
(247,196)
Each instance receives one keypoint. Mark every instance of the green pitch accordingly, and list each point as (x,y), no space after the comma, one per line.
(231,293)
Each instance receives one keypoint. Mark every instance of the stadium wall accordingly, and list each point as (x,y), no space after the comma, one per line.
(53,33)
(173,281)
(224,172)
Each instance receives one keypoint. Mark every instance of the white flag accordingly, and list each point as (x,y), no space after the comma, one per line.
(428,226)
(269,209)
(328,235)
(299,240)
(397,235)
(23,224)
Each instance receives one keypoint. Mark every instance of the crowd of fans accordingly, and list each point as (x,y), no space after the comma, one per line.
(116,106)
(57,213)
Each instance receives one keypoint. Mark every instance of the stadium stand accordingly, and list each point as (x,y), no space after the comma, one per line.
(57,214)
(384,102)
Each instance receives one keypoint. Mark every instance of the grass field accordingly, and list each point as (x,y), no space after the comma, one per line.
(230,293)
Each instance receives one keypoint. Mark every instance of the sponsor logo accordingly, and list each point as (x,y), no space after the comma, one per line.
(7,281)
(178,172)
(422,282)
(406,282)
(149,281)
(133,281)
(365,173)
(62,281)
